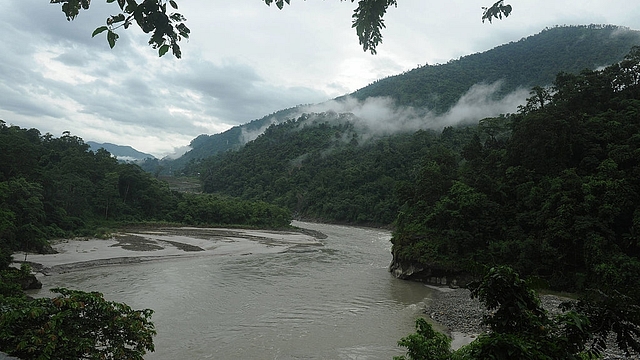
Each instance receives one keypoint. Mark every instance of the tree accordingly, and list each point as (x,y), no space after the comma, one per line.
(167,29)
(73,325)
(425,343)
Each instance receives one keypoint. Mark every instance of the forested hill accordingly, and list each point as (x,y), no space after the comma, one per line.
(204,145)
(532,61)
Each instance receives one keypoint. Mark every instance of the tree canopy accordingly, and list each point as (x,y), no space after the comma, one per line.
(167,28)
(73,325)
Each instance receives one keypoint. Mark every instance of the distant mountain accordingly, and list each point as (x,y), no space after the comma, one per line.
(531,61)
(124,153)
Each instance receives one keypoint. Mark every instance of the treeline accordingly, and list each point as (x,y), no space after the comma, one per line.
(553,191)
(56,187)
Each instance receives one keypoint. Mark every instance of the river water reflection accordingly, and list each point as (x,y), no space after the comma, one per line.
(335,300)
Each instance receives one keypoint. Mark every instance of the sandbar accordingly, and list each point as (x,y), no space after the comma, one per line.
(148,244)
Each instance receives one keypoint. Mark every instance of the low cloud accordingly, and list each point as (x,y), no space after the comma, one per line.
(481,102)
(178,152)
(380,116)
(247,135)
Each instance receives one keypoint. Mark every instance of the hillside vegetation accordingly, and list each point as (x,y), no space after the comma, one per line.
(531,61)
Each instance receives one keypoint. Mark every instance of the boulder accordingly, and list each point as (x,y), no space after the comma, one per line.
(30,282)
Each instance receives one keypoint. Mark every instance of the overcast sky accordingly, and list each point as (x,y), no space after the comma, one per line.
(244,60)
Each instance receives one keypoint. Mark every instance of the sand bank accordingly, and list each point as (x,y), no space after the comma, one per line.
(165,243)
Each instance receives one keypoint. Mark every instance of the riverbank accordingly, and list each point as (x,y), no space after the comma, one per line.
(459,316)
(145,244)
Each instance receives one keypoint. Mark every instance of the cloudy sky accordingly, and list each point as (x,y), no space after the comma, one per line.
(244,60)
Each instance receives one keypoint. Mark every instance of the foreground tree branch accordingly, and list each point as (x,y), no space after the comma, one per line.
(167,29)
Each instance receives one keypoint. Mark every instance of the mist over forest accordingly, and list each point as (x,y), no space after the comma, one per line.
(461,91)
(381,116)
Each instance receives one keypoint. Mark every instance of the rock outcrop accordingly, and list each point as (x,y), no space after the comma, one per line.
(430,274)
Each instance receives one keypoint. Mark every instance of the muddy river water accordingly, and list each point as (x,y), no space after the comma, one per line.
(330,298)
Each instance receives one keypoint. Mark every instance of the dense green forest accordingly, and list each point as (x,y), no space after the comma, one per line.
(553,191)
(532,61)
(56,187)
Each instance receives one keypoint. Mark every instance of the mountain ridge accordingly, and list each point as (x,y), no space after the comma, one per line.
(122,152)
(530,61)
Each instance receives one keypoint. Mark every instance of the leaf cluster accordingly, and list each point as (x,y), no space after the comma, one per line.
(166,28)
(496,11)
(368,18)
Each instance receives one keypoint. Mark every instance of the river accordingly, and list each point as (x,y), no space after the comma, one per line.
(333,300)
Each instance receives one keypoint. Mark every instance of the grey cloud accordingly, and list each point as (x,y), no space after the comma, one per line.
(236,94)
(20,102)
(78,58)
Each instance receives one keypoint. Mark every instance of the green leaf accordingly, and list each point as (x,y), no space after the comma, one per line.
(163,50)
(112,38)
(173,4)
(131,6)
(99,30)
